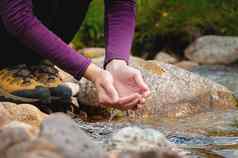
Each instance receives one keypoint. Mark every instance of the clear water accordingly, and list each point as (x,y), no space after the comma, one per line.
(208,135)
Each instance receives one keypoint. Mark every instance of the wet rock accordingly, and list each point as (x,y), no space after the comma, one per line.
(162,153)
(218,123)
(137,139)
(24,113)
(16,124)
(142,140)
(165,58)
(93,52)
(174,92)
(38,148)
(68,137)
(4,116)
(14,133)
(66,77)
(236,153)
(223,75)
(213,50)
(187,65)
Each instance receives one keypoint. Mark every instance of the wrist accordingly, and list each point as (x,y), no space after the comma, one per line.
(115,63)
(92,72)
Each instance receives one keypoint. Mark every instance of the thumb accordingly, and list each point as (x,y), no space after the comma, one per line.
(111,91)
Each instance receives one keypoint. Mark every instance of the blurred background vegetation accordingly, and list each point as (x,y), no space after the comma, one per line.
(168,25)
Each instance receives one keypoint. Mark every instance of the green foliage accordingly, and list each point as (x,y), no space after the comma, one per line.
(91,32)
(167,24)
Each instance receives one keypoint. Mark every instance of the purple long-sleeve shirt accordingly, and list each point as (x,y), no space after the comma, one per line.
(19,20)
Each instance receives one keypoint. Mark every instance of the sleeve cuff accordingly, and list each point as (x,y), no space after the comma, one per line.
(108,59)
(83,68)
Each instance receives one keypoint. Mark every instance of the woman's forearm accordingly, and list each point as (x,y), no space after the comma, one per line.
(119,28)
(19,20)
(92,72)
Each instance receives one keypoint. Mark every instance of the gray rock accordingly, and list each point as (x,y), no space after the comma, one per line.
(163,153)
(14,133)
(165,58)
(213,50)
(72,142)
(137,139)
(16,124)
(174,92)
(140,140)
(223,75)
(24,113)
(38,148)
(4,116)
(187,65)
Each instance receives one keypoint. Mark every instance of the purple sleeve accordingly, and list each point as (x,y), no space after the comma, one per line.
(19,20)
(120,17)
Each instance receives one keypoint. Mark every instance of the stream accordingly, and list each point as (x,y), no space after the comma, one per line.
(206,135)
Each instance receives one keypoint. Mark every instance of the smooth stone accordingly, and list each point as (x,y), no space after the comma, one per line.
(165,58)
(38,148)
(24,113)
(14,133)
(213,50)
(163,153)
(187,65)
(68,137)
(4,116)
(135,139)
(175,92)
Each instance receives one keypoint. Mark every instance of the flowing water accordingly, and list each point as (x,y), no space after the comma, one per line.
(206,135)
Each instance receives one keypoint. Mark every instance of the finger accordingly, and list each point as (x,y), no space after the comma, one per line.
(142,100)
(140,106)
(103,98)
(127,100)
(143,86)
(141,103)
(112,93)
(131,105)
(146,94)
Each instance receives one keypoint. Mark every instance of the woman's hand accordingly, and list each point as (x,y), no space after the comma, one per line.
(107,93)
(128,81)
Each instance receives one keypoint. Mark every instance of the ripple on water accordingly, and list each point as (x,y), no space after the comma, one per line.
(218,139)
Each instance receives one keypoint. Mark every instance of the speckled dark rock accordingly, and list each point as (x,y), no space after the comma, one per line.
(174,92)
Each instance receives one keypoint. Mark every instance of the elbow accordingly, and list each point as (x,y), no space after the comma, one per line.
(16,25)
(16,15)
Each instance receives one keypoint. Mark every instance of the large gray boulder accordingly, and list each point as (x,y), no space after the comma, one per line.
(213,50)
(175,92)
(72,142)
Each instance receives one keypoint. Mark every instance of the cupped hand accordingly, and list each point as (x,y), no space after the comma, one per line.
(108,95)
(129,83)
